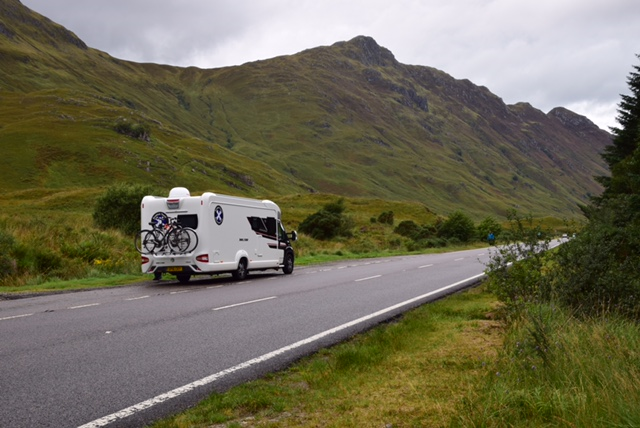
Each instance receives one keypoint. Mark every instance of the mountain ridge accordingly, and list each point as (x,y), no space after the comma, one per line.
(347,119)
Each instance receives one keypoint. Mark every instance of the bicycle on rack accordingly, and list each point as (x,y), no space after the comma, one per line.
(166,236)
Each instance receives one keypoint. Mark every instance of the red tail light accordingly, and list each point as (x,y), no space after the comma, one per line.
(145,260)
(173,204)
(204,258)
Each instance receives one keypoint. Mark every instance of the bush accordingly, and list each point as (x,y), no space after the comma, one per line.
(600,269)
(459,226)
(407,228)
(8,265)
(487,226)
(119,207)
(386,218)
(37,260)
(520,271)
(328,223)
(133,130)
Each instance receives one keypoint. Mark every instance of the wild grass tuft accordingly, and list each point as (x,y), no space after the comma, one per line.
(556,370)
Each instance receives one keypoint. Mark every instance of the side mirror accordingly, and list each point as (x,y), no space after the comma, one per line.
(294,236)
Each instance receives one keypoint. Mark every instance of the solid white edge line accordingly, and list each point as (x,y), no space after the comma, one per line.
(244,303)
(129,411)
(15,316)
(369,277)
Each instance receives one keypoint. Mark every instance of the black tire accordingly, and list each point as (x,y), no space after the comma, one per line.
(193,239)
(178,241)
(241,272)
(183,278)
(145,241)
(287,265)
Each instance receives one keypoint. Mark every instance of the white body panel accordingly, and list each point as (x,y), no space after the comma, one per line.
(229,229)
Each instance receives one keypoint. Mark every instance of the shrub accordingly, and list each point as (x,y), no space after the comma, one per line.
(8,265)
(600,268)
(459,226)
(328,223)
(386,218)
(133,130)
(37,260)
(519,272)
(407,228)
(487,226)
(119,207)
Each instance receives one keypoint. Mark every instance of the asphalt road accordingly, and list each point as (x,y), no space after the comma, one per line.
(126,356)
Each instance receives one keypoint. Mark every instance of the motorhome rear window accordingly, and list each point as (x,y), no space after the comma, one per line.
(188,220)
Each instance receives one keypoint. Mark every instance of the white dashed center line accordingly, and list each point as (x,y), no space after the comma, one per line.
(15,316)
(367,278)
(244,303)
(137,298)
(84,306)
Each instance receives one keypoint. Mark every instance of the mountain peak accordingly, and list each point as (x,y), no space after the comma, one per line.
(366,50)
(347,119)
(19,22)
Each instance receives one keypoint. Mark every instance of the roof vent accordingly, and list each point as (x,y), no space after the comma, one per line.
(179,192)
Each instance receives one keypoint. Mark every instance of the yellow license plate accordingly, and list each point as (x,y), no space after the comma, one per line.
(174,269)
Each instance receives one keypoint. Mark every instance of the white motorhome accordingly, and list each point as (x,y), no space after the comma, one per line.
(234,235)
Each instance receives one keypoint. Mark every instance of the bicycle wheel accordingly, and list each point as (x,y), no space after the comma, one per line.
(145,241)
(178,240)
(193,239)
(159,219)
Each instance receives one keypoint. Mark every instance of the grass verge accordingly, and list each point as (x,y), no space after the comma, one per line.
(556,370)
(74,284)
(450,364)
(411,372)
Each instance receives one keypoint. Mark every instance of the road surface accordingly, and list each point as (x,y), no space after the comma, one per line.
(126,356)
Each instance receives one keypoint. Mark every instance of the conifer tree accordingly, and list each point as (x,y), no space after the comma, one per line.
(599,270)
(621,156)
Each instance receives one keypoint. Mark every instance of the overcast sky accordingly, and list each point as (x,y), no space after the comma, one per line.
(576,54)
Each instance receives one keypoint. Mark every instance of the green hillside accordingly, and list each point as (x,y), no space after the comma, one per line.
(346,119)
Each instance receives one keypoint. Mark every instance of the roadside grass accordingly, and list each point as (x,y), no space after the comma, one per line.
(449,364)
(48,237)
(409,372)
(93,282)
(555,370)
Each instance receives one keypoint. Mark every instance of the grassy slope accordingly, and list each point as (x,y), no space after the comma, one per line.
(345,119)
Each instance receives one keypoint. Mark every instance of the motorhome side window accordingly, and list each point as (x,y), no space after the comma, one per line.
(258,225)
(264,226)
(271,226)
